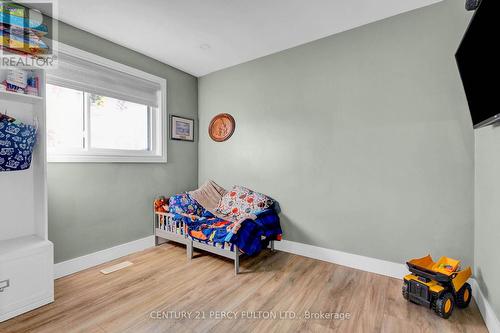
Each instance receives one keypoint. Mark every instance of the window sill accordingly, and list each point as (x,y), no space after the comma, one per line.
(105,159)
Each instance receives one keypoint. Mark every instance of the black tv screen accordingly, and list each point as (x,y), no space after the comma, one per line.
(478,61)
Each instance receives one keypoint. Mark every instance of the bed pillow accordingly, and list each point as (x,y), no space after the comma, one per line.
(184,204)
(208,195)
(241,200)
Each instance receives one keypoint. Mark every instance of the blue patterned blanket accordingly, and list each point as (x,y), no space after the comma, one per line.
(251,237)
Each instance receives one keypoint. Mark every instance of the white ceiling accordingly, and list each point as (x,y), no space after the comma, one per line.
(202,36)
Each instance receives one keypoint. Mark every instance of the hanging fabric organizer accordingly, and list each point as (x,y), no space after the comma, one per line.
(17,141)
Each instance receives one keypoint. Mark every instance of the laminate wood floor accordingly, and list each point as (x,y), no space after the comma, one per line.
(163,292)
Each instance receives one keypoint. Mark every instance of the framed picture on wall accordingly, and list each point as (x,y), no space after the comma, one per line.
(181,128)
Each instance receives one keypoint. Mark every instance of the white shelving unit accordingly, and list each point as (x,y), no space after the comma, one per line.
(12,96)
(26,254)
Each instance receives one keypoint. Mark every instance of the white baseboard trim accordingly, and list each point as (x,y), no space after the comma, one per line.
(378,266)
(489,317)
(93,259)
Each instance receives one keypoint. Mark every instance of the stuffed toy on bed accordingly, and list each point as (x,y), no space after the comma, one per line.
(161,205)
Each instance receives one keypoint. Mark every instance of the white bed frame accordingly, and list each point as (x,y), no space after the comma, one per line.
(165,230)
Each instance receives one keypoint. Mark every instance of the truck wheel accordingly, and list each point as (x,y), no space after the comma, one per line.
(405,291)
(464,296)
(444,305)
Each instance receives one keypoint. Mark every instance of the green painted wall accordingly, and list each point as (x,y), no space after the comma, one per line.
(96,206)
(487,224)
(363,137)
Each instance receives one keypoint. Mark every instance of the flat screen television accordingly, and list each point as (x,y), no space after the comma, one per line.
(478,62)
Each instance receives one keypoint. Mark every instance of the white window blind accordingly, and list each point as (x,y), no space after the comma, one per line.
(99,110)
(77,73)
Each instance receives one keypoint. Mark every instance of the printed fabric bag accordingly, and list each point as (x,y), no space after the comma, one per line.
(17,141)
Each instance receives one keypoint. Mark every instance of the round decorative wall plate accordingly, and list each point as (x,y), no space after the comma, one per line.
(221,127)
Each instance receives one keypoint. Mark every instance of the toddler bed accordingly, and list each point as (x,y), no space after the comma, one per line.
(241,230)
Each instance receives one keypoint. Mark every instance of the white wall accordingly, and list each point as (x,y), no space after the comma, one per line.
(487,214)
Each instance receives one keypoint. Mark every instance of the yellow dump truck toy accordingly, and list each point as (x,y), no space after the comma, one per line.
(438,285)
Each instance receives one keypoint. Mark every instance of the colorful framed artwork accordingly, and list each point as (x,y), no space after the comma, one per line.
(221,127)
(181,128)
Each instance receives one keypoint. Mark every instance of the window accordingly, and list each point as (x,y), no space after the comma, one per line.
(99,114)
(64,118)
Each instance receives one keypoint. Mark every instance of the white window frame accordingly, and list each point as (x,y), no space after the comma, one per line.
(158,122)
